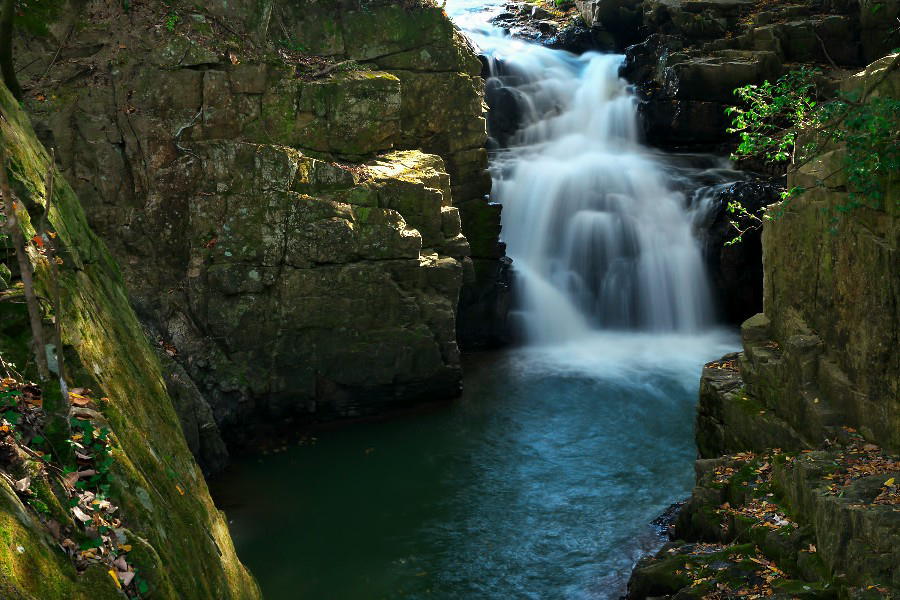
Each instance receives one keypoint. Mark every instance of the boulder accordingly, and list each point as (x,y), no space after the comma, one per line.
(714,77)
(619,19)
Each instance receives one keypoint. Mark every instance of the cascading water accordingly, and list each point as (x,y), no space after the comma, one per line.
(541,481)
(599,237)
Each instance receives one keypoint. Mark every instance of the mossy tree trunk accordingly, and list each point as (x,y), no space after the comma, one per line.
(18,240)
(7,68)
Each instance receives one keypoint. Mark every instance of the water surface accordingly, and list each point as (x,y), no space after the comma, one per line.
(540,482)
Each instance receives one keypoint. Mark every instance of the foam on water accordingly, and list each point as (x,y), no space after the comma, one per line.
(598,228)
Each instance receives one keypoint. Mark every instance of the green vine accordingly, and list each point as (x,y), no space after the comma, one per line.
(790,121)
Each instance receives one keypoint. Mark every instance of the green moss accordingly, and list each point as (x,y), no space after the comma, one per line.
(181,527)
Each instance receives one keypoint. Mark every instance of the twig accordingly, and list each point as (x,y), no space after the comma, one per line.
(329,69)
(10,369)
(181,130)
(825,51)
(55,56)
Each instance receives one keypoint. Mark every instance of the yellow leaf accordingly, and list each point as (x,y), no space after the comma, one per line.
(180,491)
(889,482)
(115,578)
(125,547)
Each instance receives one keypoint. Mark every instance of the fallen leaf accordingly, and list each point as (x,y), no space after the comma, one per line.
(889,482)
(23,484)
(81,515)
(115,578)
(78,399)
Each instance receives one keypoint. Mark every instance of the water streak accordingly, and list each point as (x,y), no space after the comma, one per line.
(600,233)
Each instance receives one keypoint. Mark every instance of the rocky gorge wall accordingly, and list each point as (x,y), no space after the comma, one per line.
(798,435)
(171,531)
(685,59)
(296,192)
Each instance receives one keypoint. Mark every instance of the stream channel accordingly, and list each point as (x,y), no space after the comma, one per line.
(543,479)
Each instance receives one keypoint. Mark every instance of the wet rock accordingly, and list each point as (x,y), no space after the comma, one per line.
(505,113)
(538,13)
(736,269)
(487,325)
(714,77)
(620,20)
(578,39)
(547,27)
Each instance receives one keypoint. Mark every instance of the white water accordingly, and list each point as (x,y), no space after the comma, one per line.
(600,238)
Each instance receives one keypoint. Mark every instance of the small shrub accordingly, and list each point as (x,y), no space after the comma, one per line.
(789,122)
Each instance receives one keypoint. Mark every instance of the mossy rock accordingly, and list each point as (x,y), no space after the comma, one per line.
(173,513)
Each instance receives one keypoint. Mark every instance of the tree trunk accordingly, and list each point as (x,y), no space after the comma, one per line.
(34,310)
(7,68)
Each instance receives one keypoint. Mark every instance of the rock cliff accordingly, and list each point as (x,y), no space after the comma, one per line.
(805,501)
(695,52)
(296,192)
(172,532)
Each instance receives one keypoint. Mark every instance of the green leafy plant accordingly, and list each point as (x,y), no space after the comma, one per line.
(171,21)
(790,121)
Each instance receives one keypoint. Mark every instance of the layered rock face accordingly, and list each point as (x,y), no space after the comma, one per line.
(824,351)
(808,415)
(287,186)
(177,539)
(698,51)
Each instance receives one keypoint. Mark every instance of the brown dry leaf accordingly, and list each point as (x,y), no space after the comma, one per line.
(78,399)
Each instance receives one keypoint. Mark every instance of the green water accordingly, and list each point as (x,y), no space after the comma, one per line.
(540,482)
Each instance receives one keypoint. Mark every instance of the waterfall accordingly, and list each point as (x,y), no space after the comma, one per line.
(600,236)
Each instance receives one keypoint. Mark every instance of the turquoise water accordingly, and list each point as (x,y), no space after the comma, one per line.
(540,482)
